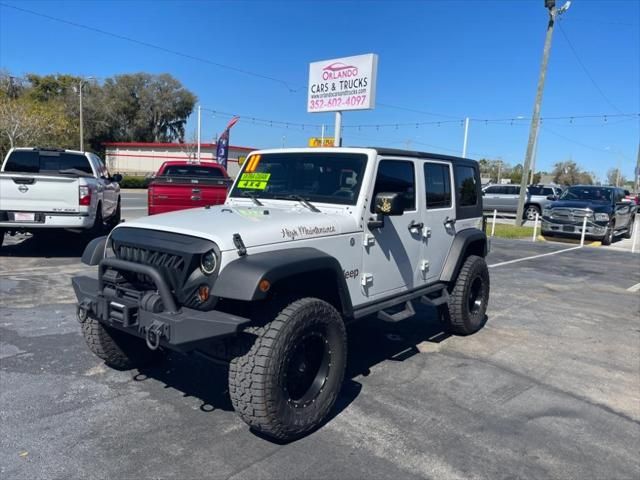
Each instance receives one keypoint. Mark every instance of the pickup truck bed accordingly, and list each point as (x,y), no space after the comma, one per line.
(180,185)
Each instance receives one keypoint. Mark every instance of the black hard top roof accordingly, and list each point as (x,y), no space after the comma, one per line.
(415,154)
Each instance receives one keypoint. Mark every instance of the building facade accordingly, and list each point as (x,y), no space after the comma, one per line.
(144,158)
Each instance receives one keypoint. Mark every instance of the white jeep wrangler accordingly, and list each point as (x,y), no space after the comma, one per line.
(307,241)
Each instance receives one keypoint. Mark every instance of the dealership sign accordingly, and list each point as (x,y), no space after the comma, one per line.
(343,84)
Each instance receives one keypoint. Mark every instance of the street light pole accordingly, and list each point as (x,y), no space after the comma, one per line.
(535,118)
(466,137)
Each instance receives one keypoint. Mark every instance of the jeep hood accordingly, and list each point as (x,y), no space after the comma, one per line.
(256,225)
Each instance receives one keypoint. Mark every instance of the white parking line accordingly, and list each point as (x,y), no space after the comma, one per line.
(635,288)
(532,257)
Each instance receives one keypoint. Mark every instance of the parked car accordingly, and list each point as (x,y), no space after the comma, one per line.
(48,189)
(632,197)
(308,241)
(179,185)
(504,198)
(607,211)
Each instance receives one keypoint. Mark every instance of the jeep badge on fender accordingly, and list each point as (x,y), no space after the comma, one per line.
(307,241)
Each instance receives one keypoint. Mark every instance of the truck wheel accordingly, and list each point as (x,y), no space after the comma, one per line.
(116,217)
(608,236)
(98,223)
(627,234)
(530,212)
(289,378)
(468,300)
(117,349)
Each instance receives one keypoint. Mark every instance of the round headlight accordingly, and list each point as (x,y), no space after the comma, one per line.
(209,262)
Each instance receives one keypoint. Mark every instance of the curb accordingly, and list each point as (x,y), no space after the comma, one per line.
(575,241)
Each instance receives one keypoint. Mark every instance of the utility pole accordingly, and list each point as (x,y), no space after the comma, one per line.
(466,137)
(637,182)
(81,83)
(200,131)
(535,118)
(535,155)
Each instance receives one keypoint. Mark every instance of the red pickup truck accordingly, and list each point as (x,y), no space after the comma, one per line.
(179,185)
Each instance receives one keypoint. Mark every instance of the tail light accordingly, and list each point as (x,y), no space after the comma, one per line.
(84,195)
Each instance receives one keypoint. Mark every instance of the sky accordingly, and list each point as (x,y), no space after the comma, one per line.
(439,61)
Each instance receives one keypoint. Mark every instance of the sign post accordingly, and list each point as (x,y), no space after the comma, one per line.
(342,84)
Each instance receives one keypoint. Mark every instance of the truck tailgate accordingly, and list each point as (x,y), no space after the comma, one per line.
(38,193)
(167,194)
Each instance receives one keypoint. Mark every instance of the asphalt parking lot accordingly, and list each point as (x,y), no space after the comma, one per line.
(550,388)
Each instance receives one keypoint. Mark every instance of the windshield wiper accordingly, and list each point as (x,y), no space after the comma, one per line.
(253,197)
(305,202)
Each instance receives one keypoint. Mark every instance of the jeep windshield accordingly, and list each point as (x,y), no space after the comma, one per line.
(592,194)
(322,177)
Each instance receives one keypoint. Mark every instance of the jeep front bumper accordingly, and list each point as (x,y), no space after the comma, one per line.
(151,315)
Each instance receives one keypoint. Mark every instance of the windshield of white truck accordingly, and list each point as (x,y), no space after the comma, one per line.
(315,177)
(42,161)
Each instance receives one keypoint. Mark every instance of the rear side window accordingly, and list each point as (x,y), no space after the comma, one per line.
(395,176)
(466,190)
(33,161)
(438,185)
(193,171)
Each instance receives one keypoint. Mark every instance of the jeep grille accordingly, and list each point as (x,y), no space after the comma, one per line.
(151,257)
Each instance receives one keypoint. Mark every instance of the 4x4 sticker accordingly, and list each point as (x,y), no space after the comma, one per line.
(255,181)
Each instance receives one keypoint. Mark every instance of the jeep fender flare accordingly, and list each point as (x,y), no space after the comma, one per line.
(94,251)
(465,242)
(240,279)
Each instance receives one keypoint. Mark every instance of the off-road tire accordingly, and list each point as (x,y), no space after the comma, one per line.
(627,234)
(462,314)
(258,378)
(608,236)
(118,349)
(530,212)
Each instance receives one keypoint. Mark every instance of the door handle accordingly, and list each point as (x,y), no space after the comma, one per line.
(416,226)
(448,221)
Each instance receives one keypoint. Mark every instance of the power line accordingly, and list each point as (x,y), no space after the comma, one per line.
(584,68)
(154,46)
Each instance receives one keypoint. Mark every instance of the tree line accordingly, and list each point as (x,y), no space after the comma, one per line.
(563,173)
(44,110)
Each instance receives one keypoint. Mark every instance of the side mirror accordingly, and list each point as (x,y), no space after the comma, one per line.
(116,178)
(389,204)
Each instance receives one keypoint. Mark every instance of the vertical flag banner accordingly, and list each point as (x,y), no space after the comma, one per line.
(222,146)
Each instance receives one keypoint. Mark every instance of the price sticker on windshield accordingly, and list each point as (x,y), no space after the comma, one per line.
(254,181)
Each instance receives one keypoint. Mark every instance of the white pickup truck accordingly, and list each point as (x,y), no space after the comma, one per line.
(56,189)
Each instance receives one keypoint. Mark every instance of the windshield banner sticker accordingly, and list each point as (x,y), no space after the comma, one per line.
(255,181)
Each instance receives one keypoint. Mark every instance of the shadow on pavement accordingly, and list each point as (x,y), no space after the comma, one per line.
(46,245)
(371,342)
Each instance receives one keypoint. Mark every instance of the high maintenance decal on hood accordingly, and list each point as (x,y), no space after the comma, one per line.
(305,231)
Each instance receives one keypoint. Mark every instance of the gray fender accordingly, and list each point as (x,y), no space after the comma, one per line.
(94,251)
(468,239)
(239,279)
